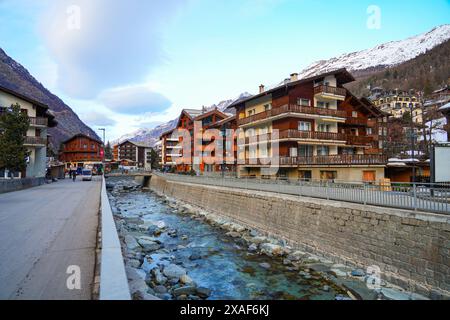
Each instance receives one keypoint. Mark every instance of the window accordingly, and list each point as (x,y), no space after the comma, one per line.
(305,175)
(305,151)
(323,127)
(323,105)
(369,131)
(323,150)
(328,175)
(268,107)
(304,126)
(293,152)
(355,114)
(250,112)
(304,102)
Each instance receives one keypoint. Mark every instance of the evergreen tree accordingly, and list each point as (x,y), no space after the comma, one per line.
(14,125)
(108,151)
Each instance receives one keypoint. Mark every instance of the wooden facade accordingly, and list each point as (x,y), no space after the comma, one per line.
(318,124)
(81,149)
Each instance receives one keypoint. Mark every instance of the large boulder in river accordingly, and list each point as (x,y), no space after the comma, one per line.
(131,243)
(272,250)
(149,244)
(174,272)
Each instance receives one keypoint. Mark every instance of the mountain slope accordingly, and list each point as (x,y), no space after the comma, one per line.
(427,72)
(15,77)
(384,55)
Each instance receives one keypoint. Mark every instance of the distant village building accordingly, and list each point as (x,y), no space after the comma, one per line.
(135,154)
(445,110)
(80,151)
(397,103)
(36,139)
(115,152)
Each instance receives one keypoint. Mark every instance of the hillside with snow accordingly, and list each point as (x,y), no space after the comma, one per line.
(384,55)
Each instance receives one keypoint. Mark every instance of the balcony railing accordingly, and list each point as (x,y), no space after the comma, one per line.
(342,159)
(35,141)
(296,109)
(38,121)
(356,121)
(296,134)
(322,89)
(359,140)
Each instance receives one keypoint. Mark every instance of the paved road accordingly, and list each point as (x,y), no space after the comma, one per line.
(43,231)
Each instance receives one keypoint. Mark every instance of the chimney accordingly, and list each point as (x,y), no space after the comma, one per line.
(294,77)
(287,80)
(261,88)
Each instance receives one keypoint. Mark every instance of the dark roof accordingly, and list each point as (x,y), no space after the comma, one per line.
(82,135)
(137,144)
(342,74)
(51,123)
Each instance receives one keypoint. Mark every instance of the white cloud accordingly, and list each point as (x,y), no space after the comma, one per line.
(115,44)
(134,100)
(98,119)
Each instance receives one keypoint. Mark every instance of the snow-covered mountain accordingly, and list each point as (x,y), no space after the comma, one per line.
(384,55)
(151,136)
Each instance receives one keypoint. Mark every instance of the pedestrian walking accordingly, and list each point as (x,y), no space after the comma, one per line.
(74,176)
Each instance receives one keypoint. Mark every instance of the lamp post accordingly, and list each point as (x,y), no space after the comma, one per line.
(104,141)
(412,133)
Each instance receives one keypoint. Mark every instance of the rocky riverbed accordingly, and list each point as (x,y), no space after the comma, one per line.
(173,251)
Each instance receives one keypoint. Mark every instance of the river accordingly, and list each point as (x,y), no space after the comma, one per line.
(212,258)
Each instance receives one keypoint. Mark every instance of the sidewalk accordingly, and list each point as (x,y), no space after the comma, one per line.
(43,231)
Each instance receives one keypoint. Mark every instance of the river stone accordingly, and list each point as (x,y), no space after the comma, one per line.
(265,265)
(160,289)
(134,263)
(253,247)
(195,256)
(148,244)
(203,292)
(187,290)
(159,278)
(272,249)
(131,243)
(174,271)
(233,234)
(358,273)
(258,240)
(185,279)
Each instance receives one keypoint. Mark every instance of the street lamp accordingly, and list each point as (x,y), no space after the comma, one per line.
(412,133)
(104,141)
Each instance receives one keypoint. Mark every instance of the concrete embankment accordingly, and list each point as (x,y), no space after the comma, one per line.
(113,279)
(411,249)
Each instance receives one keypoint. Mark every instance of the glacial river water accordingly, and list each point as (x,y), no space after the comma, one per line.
(226,266)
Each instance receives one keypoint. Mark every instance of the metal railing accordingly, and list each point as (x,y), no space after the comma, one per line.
(38,121)
(35,141)
(411,196)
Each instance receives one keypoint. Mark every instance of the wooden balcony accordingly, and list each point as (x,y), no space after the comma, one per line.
(356,121)
(359,140)
(303,135)
(38,121)
(35,141)
(292,109)
(330,92)
(340,159)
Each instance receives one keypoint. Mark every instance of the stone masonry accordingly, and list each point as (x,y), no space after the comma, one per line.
(412,249)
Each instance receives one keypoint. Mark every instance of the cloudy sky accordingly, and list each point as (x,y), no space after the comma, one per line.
(136,63)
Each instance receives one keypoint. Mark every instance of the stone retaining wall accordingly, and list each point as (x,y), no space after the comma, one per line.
(19,184)
(412,249)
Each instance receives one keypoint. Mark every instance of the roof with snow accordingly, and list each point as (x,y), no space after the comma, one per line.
(445,107)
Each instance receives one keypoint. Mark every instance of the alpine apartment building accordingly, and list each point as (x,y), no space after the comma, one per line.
(81,150)
(37,136)
(325,132)
(134,154)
